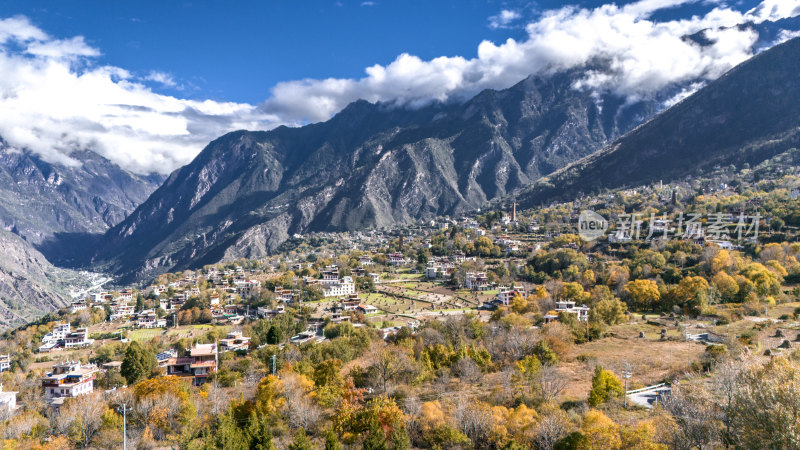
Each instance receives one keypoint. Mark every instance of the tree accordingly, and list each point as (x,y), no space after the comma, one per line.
(692,294)
(328,381)
(642,294)
(388,363)
(574,292)
(693,418)
(332,441)
(600,431)
(518,304)
(605,385)
(139,303)
(466,369)
(259,433)
(81,417)
(767,406)
(726,286)
(551,382)
(138,363)
(610,311)
(301,441)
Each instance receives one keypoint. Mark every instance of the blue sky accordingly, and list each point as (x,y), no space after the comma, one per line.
(149,83)
(214,50)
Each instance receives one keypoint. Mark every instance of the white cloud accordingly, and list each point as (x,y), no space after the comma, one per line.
(786,35)
(368,3)
(162,78)
(53,100)
(636,56)
(504,19)
(774,10)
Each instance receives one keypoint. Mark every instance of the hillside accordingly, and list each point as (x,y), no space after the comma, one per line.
(371,165)
(29,285)
(42,201)
(747,116)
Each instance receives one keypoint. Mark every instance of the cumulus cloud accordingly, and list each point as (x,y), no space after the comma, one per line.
(633,55)
(774,10)
(53,101)
(504,19)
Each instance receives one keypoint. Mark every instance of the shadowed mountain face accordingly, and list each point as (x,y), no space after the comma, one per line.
(748,115)
(39,200)
(29,285)
(369,166)
(55,209)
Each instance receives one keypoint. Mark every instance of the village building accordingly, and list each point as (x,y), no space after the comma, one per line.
(477,281)
(149,319)
(581,312)
(396,259)
(5,363)
(68,379)
(350,303)
(59,332)
(199,363)
(77,306)
(342,287)
(8,402)
(507,293)
(78,338)
(121,311)
(269,313)
(367,309)
(234,341)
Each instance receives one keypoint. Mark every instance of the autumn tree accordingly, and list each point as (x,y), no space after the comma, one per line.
(642,294)
(605,386)
(767,406)
(610,311)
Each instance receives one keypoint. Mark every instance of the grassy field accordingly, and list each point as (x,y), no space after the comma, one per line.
(183,331)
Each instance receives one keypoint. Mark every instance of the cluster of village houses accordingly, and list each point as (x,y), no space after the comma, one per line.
(71,378)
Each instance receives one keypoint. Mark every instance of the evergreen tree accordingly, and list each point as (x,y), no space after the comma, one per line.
(258,432)
(301,441)
(138,363)
(332,441)
(139,303)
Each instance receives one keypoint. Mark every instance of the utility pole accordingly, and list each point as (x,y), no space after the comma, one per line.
(587,330)
(626,374)
(124,426)
(216,387)
(274,357)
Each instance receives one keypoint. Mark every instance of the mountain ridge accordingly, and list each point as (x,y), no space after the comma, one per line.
(371,165)
(749,114)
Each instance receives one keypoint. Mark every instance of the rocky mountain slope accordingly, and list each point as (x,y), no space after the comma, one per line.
(55,209)
(29,285)
(39,199)
(748,115)
(369,166)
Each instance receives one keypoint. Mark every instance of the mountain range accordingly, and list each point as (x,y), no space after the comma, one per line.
(371,165)
(39,199)
(55,209)
(748,115)
(374,165)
